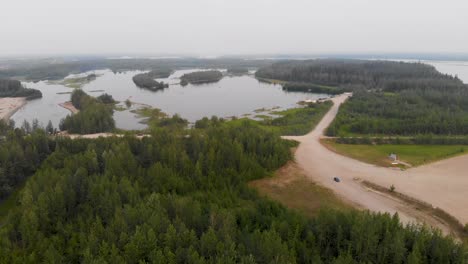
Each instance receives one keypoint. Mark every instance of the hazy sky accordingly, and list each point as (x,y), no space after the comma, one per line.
(215,27)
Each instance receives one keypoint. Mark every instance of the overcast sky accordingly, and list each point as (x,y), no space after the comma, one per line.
(216,27)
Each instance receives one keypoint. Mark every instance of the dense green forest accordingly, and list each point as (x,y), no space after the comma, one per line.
(13,88)
(390,98)
(181,197)
(95,115)
(201,77)
(21,153)
(147,80)
(408,112)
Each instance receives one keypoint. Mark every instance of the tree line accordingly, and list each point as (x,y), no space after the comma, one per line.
(13,88)
(180,196)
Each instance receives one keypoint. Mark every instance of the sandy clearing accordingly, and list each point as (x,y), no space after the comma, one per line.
(9,106)
(96,135)
(443,184)
(70,107)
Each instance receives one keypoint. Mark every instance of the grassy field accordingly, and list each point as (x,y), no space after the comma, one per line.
(292,189)
(413,154)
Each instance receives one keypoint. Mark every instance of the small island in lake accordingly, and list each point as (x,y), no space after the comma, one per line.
(147,80)
(238,71)
(201,77)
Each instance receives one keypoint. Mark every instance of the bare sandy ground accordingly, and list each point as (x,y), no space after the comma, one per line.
(96,135)
(9,106)
(70,107)
(443,184)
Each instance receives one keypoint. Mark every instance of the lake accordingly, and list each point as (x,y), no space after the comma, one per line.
(231,96)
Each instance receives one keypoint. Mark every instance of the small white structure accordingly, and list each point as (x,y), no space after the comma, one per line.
(394,158)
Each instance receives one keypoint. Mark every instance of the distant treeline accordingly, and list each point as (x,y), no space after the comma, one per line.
(95,115)
(147,80)
(53,69)
(13,88)
(238,71)
(357,74)
(201,77)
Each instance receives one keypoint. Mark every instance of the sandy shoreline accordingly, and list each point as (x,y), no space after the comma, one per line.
(9,106)
(70,107)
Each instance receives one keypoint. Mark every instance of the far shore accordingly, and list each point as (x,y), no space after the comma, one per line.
(9,106)
(70,107)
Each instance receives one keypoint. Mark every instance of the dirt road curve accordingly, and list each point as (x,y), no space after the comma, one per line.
(443,184)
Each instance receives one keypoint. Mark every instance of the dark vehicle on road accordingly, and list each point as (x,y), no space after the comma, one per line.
(337,179)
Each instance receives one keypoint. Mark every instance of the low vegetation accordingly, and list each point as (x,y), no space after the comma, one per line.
(155,118)
(94,115)
(201,77)
(379,154)
(290,187)
(78,82)
(13,88)
(292,122)
(311,88)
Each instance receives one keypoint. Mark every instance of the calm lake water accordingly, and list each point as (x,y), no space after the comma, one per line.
(232,96)
(459,68)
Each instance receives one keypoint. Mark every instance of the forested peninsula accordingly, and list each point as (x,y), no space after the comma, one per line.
(390,98)
(13,88)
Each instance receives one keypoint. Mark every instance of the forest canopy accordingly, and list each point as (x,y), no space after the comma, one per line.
(184,199)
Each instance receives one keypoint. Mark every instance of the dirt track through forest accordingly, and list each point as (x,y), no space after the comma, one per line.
(443,184)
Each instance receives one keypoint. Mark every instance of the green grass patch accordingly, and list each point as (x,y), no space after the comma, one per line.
(291,122)
(297,121)
(413,154)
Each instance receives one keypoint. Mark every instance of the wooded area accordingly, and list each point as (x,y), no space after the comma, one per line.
(171,198)
(390,98)
(13,88)
(95,115)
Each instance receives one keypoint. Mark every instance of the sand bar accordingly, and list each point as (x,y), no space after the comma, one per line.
(9,106)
